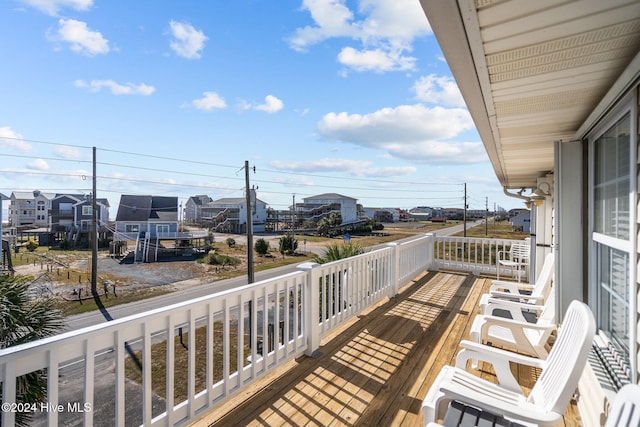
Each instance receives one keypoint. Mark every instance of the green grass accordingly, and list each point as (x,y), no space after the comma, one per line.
(500,230)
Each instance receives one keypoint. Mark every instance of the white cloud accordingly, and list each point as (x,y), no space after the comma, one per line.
(116,88)
(387,171)
(38,165)
(271,105)
(377,60)
(441,90)
(295,181)
(187,41)
(209,101)
(411,132)
(353,167)
(13,140)
(67,152)
(332,19)
(51,7)
(80,37)
(385,29)
(321,165)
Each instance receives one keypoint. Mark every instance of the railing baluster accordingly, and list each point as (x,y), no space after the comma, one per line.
(191,363)
(170,368)
(52,387)
(120,377)
(147,385)
(89,372)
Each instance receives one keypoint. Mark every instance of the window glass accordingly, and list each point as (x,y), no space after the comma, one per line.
(611,203)
(612,185)
(613,281)
(131,228)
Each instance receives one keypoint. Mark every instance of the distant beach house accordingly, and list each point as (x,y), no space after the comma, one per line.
(317,207)
(522,221)
(29,209)
(147,220)
(71,212)
(229,214)
(147,215)
(193,207)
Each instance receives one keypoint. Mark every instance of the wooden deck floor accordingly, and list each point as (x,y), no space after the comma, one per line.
(377,369)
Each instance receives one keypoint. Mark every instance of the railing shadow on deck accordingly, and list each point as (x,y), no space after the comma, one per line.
(362,375)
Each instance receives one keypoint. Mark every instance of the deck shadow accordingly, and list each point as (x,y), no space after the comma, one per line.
(364,373)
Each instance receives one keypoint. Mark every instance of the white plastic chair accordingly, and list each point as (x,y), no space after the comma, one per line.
(523,292)
(625,411)
(516,258)
(549,396)
(517,334)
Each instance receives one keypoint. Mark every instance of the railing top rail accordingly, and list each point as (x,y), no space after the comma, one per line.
(462,239)
(351,259)
(140,317)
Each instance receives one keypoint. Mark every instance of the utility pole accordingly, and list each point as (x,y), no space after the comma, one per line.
(486,216)
(94,232)
(293,215)
(250,277)
(464,213)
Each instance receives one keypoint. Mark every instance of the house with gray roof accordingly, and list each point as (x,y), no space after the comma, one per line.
(229,214)
(147,220)
(193,207)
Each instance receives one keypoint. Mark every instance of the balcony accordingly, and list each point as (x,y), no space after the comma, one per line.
(374,329)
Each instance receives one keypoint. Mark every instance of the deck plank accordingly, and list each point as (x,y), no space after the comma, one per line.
(376,369)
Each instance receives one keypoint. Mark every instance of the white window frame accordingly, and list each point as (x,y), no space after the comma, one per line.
(627,105)
(87,210)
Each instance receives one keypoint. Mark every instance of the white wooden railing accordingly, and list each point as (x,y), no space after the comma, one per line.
(474,255)
(242,334)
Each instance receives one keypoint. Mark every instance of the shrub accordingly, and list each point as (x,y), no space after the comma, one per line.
(288,244)
(261,247)
(31,245)
(231,242)
(219,259)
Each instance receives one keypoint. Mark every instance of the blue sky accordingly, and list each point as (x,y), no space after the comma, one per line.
(352,97)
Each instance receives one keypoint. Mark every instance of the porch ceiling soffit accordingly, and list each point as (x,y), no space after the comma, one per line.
(540,70)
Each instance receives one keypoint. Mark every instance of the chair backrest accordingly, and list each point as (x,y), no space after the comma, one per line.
(542,285)
(548,313)
(567,358)
(626,407)
(519,251)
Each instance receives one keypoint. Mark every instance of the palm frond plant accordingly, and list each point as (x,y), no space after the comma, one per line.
(335,252)
(24,319)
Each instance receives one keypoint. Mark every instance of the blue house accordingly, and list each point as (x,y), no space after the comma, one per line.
(147,220)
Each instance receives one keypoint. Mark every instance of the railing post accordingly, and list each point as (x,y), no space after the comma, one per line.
(395,270)
(430,261)
(311,308)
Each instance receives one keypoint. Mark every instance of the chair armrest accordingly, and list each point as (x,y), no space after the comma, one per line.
(515,287)
(518,297)
(518,331)
(510,304)
(514,308)
(499,359)
(511,285)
